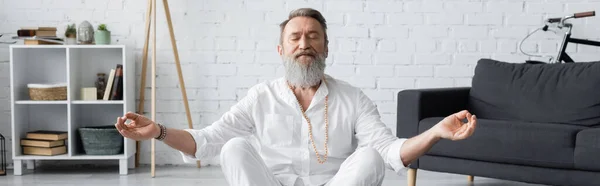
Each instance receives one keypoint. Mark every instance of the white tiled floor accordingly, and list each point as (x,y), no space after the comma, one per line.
(188,175)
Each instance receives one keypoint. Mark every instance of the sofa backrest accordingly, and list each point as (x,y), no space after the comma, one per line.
(565,93)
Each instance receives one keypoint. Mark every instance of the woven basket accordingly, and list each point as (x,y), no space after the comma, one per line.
(47,92)
(101,140)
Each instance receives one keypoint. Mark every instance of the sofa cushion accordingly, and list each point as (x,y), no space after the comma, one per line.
(566,93)
(587,150)
(521,143)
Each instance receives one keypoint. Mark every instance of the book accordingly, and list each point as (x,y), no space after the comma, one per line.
(38,28)
(42,143)
(46,31)
(47,135)
(109,83)
(117,90)
(40,42)
(26,33)
(29,27)
(46,151)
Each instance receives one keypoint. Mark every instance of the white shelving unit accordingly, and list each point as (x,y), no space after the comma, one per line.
(77,65)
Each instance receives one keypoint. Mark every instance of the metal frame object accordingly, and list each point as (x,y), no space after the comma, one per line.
(562,56)
(3,154)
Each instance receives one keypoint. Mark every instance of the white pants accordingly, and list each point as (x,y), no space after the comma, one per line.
(242,165)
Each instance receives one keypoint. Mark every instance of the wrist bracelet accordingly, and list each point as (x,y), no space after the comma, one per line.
(163,132)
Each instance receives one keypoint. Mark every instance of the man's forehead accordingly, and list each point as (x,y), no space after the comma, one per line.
(303,23)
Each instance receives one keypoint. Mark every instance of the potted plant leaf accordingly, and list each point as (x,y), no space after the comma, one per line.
(71,35)
(102,35)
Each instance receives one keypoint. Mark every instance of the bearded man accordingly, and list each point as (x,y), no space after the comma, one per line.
(312,129)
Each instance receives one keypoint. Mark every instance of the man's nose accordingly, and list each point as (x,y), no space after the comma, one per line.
(304,45)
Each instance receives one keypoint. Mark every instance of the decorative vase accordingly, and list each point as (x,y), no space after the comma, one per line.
(102,37)
(85,33)
(71,39)
(100,85)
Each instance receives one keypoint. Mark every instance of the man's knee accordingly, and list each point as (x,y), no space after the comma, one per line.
(234,148)
(364,167)
(370,155)
(371,158)
(236,144)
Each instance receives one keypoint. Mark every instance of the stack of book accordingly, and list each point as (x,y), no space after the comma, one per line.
(114,85)
(38,36)
(44,142)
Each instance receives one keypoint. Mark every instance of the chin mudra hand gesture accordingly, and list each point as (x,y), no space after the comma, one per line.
(140,127)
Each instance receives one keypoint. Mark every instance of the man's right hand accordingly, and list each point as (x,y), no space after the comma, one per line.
(140,127)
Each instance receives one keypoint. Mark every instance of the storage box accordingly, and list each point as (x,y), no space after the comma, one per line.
(101,140)
(47,91)
(89,93)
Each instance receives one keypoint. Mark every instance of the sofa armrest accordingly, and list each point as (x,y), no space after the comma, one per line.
(589,138)
(587,148)
(417,104)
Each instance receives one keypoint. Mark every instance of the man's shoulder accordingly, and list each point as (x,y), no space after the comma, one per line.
(340,84)
(266,85)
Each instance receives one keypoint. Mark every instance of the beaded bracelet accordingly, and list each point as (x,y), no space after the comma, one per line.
(163,132)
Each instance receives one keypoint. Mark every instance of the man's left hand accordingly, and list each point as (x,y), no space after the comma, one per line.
(453,127)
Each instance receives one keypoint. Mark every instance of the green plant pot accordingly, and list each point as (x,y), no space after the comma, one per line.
(102,37)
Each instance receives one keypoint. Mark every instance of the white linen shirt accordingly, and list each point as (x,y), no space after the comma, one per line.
(271,113)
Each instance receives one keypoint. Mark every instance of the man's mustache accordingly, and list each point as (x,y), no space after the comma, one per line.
(309,53)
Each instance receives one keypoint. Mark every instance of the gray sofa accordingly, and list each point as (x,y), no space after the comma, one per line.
(537,123)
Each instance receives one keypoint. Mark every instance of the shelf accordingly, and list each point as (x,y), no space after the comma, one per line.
(36,157)
(86,63)
(94,46)
(74,157)
(77,66)
(97,157)
(34,102)
(67,46)
(34,116)
(99,102)
(83,102)
(36,66)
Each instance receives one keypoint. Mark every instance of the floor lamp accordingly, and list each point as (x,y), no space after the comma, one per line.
(151,15)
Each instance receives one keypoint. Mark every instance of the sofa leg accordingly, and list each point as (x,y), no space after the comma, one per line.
(470,178)
(412,177)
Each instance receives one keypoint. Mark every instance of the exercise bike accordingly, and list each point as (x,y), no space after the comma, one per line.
(560,23)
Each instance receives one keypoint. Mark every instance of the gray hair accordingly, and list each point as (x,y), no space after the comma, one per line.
(305,12)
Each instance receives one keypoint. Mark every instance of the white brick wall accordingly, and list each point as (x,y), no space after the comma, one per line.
(381,46)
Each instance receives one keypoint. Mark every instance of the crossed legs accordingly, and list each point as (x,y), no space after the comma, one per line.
(242,165)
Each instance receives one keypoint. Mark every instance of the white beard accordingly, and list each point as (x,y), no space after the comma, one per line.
(299,74)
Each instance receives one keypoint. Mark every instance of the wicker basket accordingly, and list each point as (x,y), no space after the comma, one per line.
(47,91)
(101,140)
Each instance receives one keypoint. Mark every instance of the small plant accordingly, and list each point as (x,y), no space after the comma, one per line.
(71,31)
(102,27)
(102,35)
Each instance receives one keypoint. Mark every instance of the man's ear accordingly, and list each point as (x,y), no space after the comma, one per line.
(280,49)
(326,51)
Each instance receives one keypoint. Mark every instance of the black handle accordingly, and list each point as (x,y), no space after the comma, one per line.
(554,20)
